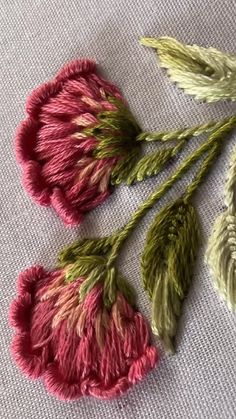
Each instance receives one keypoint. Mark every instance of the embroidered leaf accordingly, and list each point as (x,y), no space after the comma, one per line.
(206,73)
(85,247)
(167,262)
(89,258)
(126,289)
(221,257)
(124,166)
(94,277)
(149,165)
(221,251)
(84,266)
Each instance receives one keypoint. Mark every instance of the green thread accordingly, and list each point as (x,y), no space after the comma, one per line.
(205,73)
(95,259)
(205,167)
(95,276)
(217,136)
(169,253)
(149,165)
(124,167)
(116,132)
(221,249)
(126,289)
(83,266)
(168,256)
(172,240)
(181,134)
(85,247)
(110,287)
(118,135)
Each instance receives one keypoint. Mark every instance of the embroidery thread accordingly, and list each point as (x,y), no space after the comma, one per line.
(67,335)
(77,326)
(221,251)
(205,73)
(80,139)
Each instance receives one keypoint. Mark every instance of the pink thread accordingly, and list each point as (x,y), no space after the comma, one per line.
(77,348)
(52,148)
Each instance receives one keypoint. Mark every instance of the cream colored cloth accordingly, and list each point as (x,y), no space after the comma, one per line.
(36,38)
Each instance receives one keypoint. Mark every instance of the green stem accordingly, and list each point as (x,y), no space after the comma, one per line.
(215,137)
(203,170)
(151,164)
(181,134)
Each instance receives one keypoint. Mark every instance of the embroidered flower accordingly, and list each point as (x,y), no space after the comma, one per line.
(78,140)
(78,347)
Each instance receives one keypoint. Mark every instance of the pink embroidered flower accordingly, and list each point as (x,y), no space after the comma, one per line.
(77,139)
(77,348)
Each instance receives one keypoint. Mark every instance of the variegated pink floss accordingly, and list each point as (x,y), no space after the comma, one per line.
(67,146)
(77,348)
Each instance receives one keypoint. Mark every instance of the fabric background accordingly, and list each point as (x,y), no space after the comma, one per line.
(36,39)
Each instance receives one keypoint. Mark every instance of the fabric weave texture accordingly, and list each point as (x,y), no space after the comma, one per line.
(36,39)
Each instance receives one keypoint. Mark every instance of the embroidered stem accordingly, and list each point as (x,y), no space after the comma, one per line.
(169,254)
(152,164)
(214,138)
(181,134)
(204,168)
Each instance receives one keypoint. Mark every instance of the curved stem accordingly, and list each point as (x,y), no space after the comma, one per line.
(216,136)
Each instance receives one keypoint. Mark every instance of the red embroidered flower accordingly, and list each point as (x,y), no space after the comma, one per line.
(77,348)
(77,139)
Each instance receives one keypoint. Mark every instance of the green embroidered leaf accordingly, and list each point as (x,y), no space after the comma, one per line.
(221,257)
(114,282)
(84,266)
(95,276)
(126,289)
(206,73)
(124,166)
(221,249)
(167,262)
(85,247)
(149,165)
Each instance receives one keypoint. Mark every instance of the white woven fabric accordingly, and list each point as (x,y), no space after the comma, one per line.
(36,38)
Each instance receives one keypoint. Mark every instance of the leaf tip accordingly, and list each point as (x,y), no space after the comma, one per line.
(149,42)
